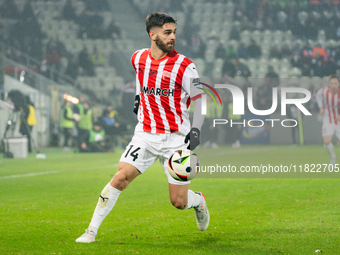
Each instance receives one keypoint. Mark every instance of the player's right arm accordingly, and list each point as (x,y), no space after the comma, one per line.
(137,97)
(319,100)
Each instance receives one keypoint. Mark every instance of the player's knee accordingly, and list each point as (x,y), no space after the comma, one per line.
(120,180)
(178,203)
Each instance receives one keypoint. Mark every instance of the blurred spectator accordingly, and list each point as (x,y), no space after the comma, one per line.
(245,23)
(108,121)
(282,21)
(85,123)
(95,140)
(72,68)
(27,120)
(67,123)
(319,51)
(84,61)
(295,61)
(113,128)
(229,69)
(242,51)
(220,51)
(306,70)
(307,50)
(56,44)
(254,51)
(31,121)
(44,67)
(242,69)
(231,52)
(53,59)
(80,106)
(97,58)
(318,68)
(330,67)
(272,78)
(259,24)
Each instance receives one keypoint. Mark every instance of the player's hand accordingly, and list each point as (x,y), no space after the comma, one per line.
(194,137)
(338,118)
(321,111)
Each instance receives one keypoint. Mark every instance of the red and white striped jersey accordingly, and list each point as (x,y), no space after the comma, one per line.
(330,102)
(164,89)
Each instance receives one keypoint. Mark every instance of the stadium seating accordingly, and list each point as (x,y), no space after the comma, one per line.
(213,19)
(67,32)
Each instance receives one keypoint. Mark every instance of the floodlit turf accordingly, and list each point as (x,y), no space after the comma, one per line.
(45,204)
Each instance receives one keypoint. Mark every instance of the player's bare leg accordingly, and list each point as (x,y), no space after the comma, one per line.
(183,198)
(327,140)
(126,173)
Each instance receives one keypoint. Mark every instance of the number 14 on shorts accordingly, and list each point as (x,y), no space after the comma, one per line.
(133,153)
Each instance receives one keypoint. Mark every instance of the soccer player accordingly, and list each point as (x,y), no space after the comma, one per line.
(164,87)
(328,100)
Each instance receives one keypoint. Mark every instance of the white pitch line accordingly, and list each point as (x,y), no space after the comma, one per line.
(27,175)
(52,172)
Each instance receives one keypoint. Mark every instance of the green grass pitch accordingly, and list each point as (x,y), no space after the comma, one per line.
(45,204)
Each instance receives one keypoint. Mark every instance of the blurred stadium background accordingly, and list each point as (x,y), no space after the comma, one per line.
(53,47)
(48,50)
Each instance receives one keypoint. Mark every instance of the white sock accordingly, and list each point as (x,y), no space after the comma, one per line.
(106,202)
(194,199)
(330,149)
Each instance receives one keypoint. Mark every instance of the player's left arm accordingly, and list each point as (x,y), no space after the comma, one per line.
(192,87)
(137,97)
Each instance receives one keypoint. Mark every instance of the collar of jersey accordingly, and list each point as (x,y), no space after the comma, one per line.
(171,54)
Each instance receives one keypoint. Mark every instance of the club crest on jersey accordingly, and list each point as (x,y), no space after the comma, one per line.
(166,74)
(157,91)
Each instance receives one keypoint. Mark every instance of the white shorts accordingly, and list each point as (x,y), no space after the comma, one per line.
(145,148)
(328,129)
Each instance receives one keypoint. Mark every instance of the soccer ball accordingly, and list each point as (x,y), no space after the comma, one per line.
(183,165)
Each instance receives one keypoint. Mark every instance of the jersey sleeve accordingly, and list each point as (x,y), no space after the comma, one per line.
(133,58)
(190,82)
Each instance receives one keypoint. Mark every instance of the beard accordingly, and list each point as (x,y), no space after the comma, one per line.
(164,47)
